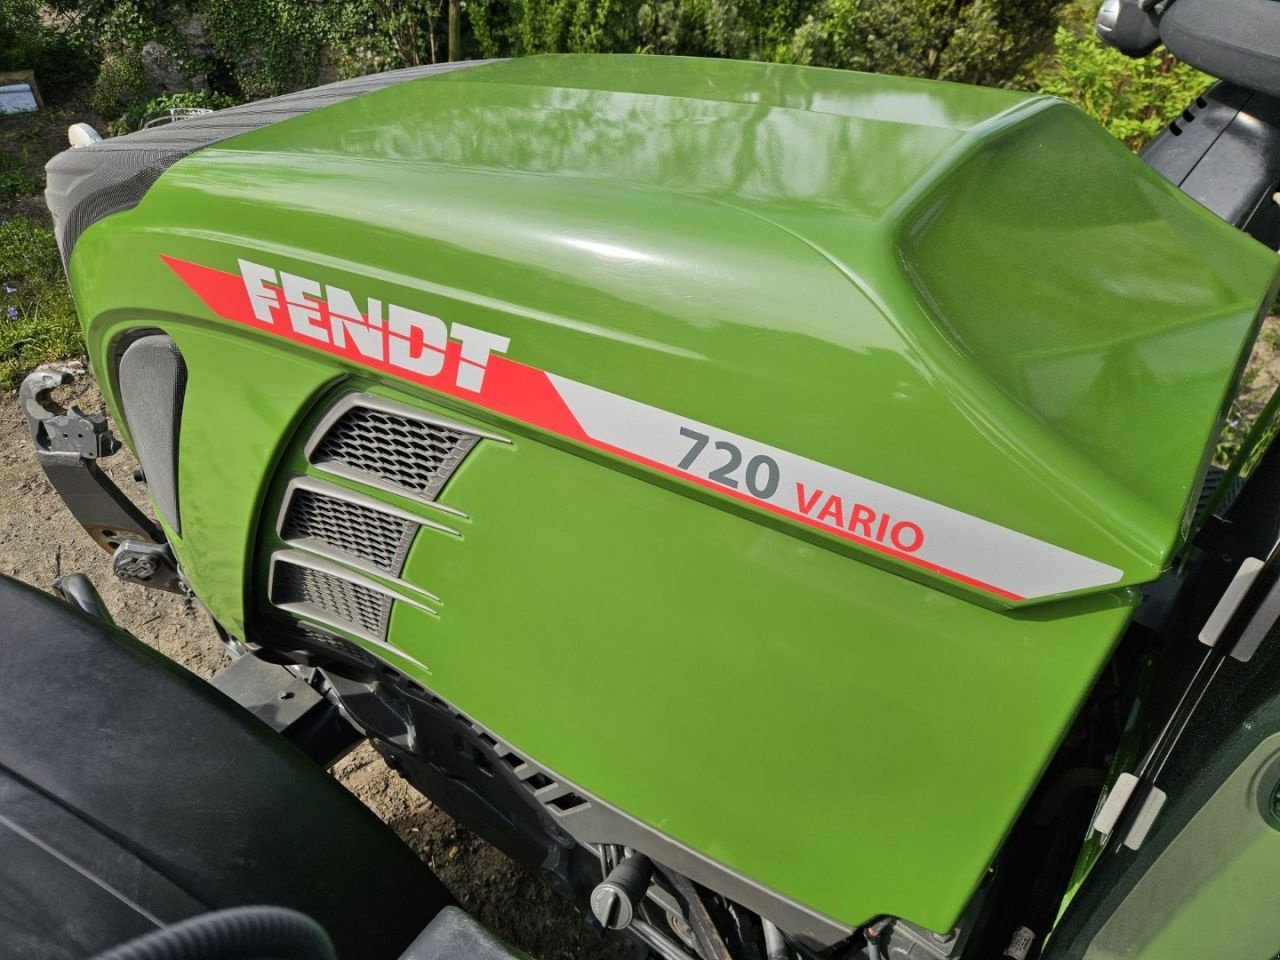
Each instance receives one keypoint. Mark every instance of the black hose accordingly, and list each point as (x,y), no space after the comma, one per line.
(803,950)
(241,933)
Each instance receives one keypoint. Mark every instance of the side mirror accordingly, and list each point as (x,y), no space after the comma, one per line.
(81,135)
(1131,26)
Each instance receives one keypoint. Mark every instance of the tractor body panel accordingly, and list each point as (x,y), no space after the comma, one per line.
(828,425)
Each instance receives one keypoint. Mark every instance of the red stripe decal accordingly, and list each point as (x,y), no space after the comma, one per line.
(398,345)
(510,388)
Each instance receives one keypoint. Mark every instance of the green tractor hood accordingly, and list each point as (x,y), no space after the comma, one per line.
(965,310)
(788,387)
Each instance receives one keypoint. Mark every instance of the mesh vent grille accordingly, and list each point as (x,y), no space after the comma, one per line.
(342,600)
(409,454)
(377,538)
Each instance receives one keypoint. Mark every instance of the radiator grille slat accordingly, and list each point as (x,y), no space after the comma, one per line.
(394,449)
(343,601)
(379,539)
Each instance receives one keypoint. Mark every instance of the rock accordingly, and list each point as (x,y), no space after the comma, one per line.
(193,31)
(165,72)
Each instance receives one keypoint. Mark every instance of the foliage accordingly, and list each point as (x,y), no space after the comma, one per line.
(244,49)
(1257,389)
(374,35)
(62,61)
(1131,98)
(518,27)
(117,24)
(15,179)
(19,32)
(271,46)
(37,318)
(121,83)
(133,118)
(976,41)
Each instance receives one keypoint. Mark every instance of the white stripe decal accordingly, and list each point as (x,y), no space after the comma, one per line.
(913,530)
(919,531)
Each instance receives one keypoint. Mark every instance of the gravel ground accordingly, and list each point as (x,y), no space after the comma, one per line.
(39,540)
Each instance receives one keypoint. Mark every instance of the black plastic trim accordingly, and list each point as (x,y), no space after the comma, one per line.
(1223,151)
(152,381)
(91,182)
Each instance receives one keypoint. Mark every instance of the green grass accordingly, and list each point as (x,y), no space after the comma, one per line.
(37,318)
(15,181)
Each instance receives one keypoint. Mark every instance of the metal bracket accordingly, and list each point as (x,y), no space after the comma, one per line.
(148,564)
(55,430)
(290,706)
(68,444)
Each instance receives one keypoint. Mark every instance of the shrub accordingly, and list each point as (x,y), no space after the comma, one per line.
(62,61)
(976,41)
(20,31)
(133,118)
(1131,98)
(522,27)
(269,46)
(369,36)
(244,49)
(121,84)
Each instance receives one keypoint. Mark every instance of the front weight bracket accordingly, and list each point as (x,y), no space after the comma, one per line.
(68,443)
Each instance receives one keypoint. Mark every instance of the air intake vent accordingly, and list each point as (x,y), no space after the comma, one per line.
(389,446)
(476,747)
(343,526)
(345,603)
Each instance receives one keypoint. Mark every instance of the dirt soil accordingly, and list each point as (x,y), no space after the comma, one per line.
(39,540)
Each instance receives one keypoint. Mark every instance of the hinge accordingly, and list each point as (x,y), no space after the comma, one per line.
(1119,799)
(1213,628)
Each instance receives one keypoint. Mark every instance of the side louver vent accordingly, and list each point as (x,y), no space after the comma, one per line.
(341,525)
(347,604)
(480,748)
(390,446)
(474,745)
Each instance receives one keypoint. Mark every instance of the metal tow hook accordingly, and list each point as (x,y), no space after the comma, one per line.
(69,443)
(615,898)
(55,430)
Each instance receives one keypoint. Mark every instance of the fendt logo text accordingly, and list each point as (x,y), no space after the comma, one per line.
(407,339)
